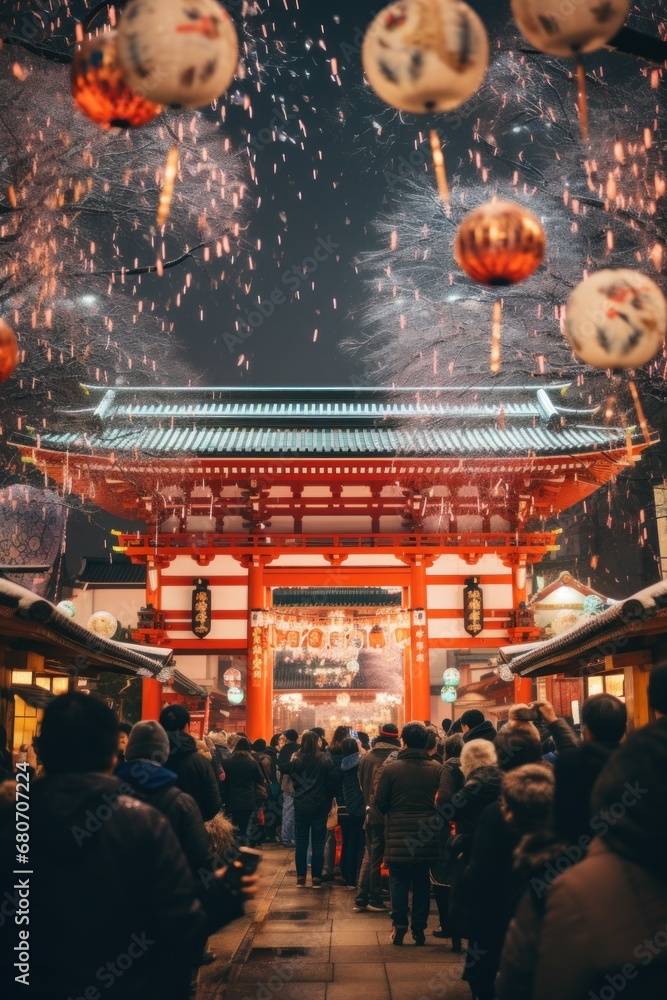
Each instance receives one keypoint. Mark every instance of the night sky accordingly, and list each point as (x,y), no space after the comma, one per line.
(324,181)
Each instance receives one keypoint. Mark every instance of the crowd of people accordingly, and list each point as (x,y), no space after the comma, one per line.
(544,851)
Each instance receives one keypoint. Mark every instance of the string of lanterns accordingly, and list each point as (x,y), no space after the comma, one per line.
(419,56)
(425,56)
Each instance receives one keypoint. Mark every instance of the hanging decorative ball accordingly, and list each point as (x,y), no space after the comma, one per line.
(343,699)
(9,351)
(426,55)
(99,88)
(235,696)
(67,608)
(352,666)
(448,695)
(232,677)
(500,243)
(451,677)
(102,623)
(569,29)
(616,319)
(178,53)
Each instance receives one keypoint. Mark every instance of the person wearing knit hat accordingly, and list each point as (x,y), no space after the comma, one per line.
(148,741)
(144,776)
(369,883)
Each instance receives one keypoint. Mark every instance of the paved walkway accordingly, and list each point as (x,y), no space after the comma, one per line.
(305,944)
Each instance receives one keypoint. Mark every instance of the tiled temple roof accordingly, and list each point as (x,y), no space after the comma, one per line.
(442,422)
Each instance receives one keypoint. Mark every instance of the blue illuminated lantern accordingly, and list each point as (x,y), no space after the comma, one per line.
(451,677)
(448,694)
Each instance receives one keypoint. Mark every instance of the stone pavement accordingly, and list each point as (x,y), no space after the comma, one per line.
(305,944)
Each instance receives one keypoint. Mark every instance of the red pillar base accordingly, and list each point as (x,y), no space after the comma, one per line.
(151,698)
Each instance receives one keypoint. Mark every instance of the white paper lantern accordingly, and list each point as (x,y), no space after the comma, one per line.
(564,620)
(451,677)
(568,29)
(426,55)
(178,52)
(235,696)
(343,700)
(448,695)
(102,623)
(352,666)
(67,608)
(616,319)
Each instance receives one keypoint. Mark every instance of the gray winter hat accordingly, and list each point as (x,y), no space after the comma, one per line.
(148,741)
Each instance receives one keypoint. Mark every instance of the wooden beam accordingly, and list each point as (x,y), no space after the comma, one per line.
(642,659)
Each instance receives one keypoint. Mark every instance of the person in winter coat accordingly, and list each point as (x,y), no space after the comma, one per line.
(483,897)
(451,782)
(406,797)
(148,779)
(369,885)
(194,773)
(245,789)
(475,727)
(124,730)
(285,754)
(313,781)
(267,760)
(481,787)
(355,808)
(273,809)
(607,914)
(115,891)
(335,755)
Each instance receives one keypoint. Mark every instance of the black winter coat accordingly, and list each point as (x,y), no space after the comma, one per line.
(286,754)
(353,796)
(369,767)
(113,881)
(194,773)
(157,786)
(406,797)
(313,781)
(484,731)
(243,782)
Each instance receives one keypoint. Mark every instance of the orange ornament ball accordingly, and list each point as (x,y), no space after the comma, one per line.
(500,243)
(99,88)
(9,351)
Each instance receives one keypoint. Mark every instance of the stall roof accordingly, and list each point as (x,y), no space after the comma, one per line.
(103,572)
(593,639)
(28,622)
(187,687)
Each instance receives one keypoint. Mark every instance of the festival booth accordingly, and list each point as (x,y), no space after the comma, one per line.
(44,653)
(622,642)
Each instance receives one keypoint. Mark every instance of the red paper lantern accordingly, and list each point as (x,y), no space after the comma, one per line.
(99,88)
(500,243)
(9,351)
